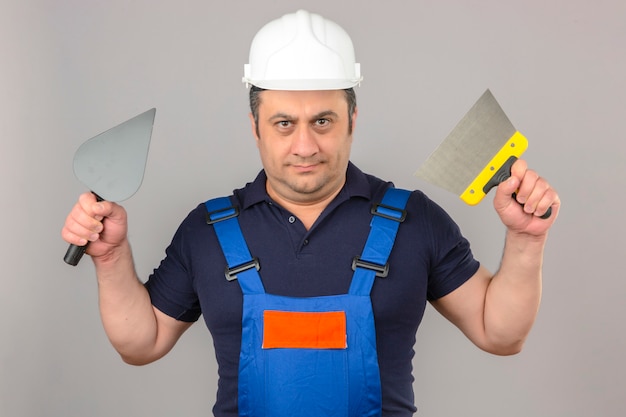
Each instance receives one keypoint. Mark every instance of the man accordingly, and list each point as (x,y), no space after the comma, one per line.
(294,333)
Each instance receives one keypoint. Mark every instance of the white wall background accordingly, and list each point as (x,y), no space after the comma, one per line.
(70,69)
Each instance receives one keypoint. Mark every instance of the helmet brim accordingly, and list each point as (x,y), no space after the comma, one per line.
(303,85)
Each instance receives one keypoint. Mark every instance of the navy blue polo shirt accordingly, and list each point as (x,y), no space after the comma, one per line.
(429,260)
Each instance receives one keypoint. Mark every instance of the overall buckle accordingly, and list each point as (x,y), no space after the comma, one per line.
(231,273)
(393,213)
(222,214)
(381,270)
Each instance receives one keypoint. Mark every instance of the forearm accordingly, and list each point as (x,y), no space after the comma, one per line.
(514,294)
(496,312)
(125,308)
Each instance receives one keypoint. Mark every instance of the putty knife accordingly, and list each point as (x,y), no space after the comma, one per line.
(112,164)
(478,154)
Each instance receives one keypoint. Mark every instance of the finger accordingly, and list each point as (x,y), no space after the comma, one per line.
(81,238)
(81,224)
(534,194)
(73,238)
(101,209)
(537,195)
(89,203)
(549,200)
(530,183)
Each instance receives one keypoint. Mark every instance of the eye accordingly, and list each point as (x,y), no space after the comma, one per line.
(322,122)
(284,126)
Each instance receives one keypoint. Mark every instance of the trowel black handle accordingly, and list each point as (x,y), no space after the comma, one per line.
(502,175)
(75,253)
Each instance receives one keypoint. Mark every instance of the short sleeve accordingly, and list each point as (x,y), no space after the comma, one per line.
(452,262)
(171,286)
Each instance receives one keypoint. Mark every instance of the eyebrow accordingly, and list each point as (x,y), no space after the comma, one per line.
(282,116)
(285,116)
(323,114)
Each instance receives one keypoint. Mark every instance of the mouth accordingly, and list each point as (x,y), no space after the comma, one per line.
(304,167)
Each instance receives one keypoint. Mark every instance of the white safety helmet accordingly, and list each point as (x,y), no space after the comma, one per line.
(302,51)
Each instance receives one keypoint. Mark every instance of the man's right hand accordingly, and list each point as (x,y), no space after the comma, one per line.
(102,224)
(138,331)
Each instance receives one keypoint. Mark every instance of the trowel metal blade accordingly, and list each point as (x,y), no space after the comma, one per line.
(112,164)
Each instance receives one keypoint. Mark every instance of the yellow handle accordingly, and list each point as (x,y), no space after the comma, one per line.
(515,146)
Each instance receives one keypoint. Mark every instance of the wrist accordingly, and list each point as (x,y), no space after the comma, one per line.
(116,256)
(525,243)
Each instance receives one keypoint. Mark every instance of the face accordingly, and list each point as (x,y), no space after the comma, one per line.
(304,143)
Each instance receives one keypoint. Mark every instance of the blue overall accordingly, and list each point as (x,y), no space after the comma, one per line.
(312,356)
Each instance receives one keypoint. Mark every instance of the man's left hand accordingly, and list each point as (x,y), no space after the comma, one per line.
(533,197)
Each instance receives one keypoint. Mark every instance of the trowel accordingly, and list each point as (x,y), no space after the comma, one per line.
(478,153)
(112,165)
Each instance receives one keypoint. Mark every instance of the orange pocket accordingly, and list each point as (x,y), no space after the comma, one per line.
(312,330)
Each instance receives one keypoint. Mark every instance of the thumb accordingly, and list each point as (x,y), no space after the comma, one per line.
(109,210)
(504,191)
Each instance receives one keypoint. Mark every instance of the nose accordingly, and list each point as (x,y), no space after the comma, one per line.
(304,143)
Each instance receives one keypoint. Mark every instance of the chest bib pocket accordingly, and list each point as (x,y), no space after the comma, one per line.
(304,329)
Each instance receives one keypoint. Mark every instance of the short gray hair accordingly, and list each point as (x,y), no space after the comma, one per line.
(255,101)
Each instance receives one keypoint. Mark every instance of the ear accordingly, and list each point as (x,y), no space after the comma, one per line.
(354,115)
(254,127)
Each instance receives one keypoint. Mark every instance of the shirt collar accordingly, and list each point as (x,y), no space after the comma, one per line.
(356,185)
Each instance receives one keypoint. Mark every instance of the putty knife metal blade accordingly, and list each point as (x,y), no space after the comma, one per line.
(477,154)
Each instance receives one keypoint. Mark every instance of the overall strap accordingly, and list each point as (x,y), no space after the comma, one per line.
(222,215)
(386,219)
